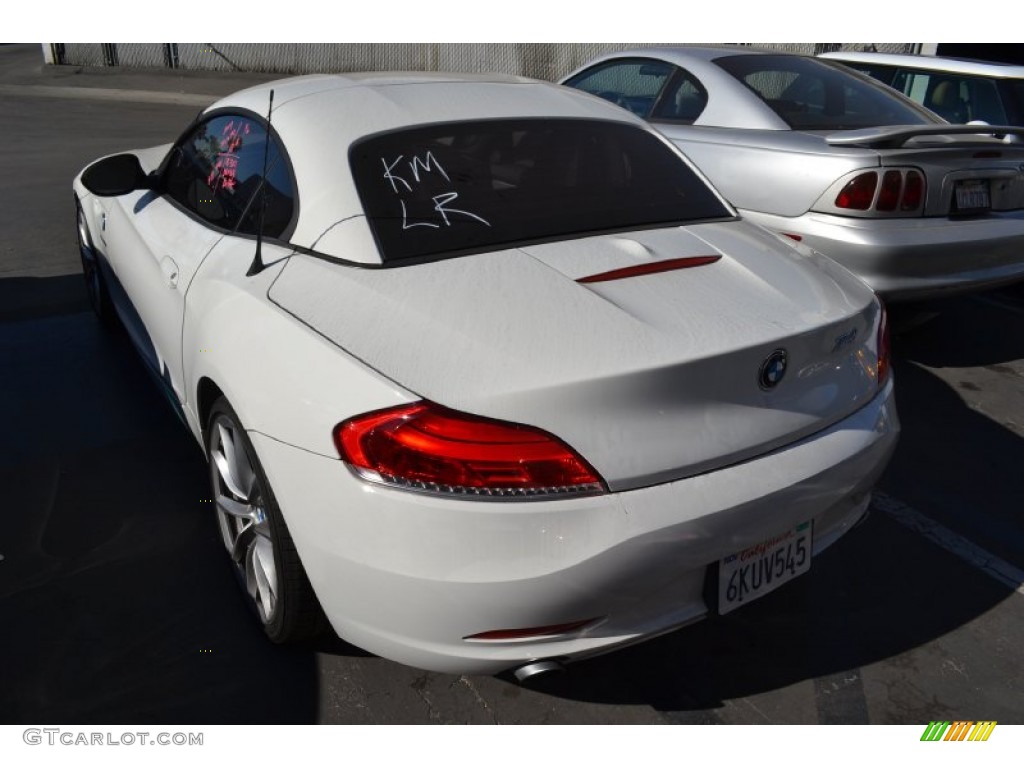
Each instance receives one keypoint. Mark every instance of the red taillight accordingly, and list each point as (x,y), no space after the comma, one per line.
(884,350)
(427,447)
(889,196)
(913,192)
(858,192)
(900,189)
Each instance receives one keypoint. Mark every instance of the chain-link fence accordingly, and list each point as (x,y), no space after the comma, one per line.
(547,61)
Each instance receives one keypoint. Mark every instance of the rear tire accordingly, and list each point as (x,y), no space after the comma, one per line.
(255,535)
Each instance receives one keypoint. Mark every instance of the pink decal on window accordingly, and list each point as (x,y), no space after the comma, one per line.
(224,173)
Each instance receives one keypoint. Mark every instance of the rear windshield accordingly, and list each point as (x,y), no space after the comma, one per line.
(813,95)
(455,188)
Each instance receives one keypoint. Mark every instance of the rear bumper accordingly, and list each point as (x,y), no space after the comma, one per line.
(906,259)
(410,576)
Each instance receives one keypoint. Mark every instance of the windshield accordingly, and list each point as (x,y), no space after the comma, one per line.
(455,188)
(814,95)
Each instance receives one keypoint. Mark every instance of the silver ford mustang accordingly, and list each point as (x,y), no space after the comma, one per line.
(912,205)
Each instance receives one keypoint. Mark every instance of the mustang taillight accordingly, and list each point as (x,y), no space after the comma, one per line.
(884,348)
(426,447)
(889,194)
(901,189)
(913,192)
(858,192)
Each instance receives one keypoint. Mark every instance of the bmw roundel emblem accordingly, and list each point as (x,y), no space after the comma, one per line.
(772,370)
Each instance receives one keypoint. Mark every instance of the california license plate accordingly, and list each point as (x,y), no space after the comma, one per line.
(757,570)
(972,195)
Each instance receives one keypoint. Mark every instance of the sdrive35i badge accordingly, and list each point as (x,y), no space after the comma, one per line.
(772,370)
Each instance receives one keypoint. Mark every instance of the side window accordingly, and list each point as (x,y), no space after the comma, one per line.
(683,100)
(632,83)
(215,172)
(959,99)
(983,102)
(1012,101)
(947,96)
(913,84)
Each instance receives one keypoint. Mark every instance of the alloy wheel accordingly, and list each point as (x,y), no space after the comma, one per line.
(241,515)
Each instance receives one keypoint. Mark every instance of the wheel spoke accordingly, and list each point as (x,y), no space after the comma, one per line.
(234,508)
(243,541)
(261,576)
(226,460)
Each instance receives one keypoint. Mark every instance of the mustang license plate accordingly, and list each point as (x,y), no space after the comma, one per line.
(972,195)
(759,569)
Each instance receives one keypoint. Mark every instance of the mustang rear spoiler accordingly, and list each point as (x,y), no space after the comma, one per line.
(895,136)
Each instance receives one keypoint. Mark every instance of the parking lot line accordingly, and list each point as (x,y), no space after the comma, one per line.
(1000,570)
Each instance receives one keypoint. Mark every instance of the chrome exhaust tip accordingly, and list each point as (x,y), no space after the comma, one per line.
(537,668)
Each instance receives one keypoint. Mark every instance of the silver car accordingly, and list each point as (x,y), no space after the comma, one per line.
(830,158)
(958,90)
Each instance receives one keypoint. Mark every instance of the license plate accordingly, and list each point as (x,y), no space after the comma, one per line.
(757,570)
(972,195)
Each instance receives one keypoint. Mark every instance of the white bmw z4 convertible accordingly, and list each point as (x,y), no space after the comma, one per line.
(486,372)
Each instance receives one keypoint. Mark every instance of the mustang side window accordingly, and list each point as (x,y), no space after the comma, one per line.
(216,172)
(683,100)
(633,84)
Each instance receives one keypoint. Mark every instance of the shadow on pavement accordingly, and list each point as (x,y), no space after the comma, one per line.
(25,298)
(118,604)
(951,339)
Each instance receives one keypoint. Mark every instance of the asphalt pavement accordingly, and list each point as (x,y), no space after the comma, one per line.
(117,604)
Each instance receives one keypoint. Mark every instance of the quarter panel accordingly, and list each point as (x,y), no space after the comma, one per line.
(778,172)
(282,378)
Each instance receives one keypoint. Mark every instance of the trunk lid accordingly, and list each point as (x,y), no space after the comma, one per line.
(651,378)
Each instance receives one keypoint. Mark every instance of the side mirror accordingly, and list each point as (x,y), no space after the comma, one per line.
(115,175)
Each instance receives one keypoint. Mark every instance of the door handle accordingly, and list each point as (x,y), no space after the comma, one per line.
(170,270)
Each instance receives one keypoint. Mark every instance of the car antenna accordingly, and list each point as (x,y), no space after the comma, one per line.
(257,265)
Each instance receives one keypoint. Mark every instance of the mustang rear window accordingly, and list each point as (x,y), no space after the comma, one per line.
(453,188)
(813,95)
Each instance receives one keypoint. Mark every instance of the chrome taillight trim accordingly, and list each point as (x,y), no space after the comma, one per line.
(468,493)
